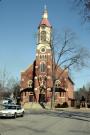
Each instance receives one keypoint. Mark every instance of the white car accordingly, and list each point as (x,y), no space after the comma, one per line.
(11,111)
(7,101)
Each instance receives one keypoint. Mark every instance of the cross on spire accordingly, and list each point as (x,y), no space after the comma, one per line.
(45,14)
(45,7)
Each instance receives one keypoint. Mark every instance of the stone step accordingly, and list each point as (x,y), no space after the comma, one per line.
(32,106)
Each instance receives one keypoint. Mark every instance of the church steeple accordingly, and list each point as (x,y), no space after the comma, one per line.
(45,13)
(44,31)
(44,20)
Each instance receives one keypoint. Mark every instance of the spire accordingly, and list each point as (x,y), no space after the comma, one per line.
(44,20)
(45,7)
(45,13)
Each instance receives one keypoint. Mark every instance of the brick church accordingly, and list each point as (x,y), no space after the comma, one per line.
(36,81)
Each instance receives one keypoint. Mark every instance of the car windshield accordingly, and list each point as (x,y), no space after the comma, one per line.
(10,107)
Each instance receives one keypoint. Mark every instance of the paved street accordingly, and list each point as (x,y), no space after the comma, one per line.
(47,123)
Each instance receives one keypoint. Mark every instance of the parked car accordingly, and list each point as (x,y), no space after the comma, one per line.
(10,110)
(7,101)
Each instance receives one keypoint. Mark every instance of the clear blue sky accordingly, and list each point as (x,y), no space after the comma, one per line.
(19,20)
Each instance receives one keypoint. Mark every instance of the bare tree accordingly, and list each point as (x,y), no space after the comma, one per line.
(7,83)
(83,8)
(4,77)
(16,92)
(83,94)
(66,54)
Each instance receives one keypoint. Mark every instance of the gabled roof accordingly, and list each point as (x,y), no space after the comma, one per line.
(27,69)
(70,80)
(45,22)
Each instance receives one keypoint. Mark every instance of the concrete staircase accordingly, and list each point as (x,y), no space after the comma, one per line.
(32,106)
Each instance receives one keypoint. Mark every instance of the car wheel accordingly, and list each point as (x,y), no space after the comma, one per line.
(15,115)
(22,114)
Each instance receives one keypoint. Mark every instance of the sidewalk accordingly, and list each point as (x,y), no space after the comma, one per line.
(36,106)
(71,109)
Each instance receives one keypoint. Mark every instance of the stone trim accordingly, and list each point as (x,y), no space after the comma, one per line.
(48,77)
(36,54)
(35,88)
(21,89)
(35,77)
(48,89)
(36,66)
(22,79)
(49,66)
(49,54)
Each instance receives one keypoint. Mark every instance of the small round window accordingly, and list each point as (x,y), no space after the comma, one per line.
(43,50)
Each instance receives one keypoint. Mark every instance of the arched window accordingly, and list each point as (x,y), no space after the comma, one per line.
(38,37)
(57,83)
(30,83)
(43,36)
(43,56)
(42,67)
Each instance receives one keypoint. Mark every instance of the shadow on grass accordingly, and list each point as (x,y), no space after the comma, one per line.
(80,131)
(83,116)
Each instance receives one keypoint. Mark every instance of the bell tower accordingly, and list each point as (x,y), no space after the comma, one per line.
(43,56)
(44,31)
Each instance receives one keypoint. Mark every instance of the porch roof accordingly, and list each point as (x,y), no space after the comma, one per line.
(59,90)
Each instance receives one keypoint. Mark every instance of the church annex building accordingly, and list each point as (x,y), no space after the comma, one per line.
(36,81)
